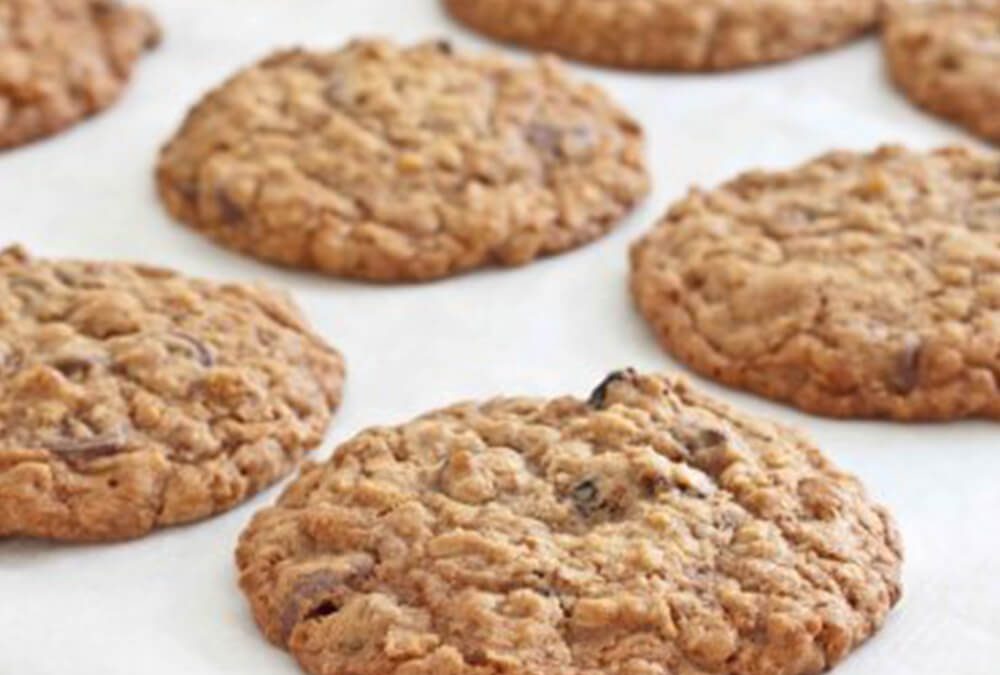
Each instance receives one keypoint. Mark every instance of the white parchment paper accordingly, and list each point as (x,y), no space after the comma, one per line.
(168,604)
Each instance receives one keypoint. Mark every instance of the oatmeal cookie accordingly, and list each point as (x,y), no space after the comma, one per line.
(64,60)
(133,398)
(671,34)
(857,285)
(649,529)
(402,164)
(945,56)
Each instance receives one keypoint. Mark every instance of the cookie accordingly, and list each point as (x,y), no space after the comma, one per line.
(64,60)
(647,530)
(396,164)
(857,285)
(133,398)
(671,34)
(945,56)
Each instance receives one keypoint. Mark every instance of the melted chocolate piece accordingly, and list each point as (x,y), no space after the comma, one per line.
(906,375)
(230,211)
(200,349)
(543,136)
(599,394)
(89,448)
(322,593)
(695,438)
(72,364)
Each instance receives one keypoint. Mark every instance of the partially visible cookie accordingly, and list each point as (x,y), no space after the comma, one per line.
(857,285)
(671,34)
(945,55)
(133,398)
(649,529)
(400,164)
(63,60)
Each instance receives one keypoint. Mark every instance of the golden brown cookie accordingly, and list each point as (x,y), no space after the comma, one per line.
(671,34)
(857,285)
(648,529)
(63,60)
(133,398)
(945,55)
(398,164)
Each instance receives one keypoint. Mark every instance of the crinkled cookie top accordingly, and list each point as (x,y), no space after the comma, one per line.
(133,397)
(864,285)
(391,164)
(63,60)
(647,530)
(671,34)
(946,57)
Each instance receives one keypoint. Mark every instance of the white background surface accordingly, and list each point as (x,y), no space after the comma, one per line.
(168,604)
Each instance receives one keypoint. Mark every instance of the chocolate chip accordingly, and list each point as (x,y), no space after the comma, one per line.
(586,497)
(189,191)
(229,210)
(950,61)
(322,593)
(695,439)
(335,92)
(200,350)
(325,608)
(102,8)
(543,136)
(90,448)
(598,396)
(74,364)
(653,484)
(444,46)
(906,373)
(9,358)
(477,658)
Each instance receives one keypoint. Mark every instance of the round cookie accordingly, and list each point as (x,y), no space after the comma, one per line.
(402,164)
(945,56)
(649,529)
(857,285)
(671,34)
(133,398)
(64,60)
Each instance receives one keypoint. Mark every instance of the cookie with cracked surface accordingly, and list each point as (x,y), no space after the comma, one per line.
(671,34)
(392,164)
(647,530)
(64,60)
(133,398)
(857,285)
(945,56)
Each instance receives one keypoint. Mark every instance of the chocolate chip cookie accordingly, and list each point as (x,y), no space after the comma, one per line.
(857,285)
(63,60)
(946,57)
(648,529)
(397,164)
(671,34)
(133,398)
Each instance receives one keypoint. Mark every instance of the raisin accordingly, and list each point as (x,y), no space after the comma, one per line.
(906,375)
